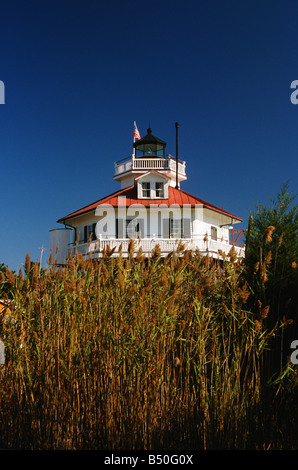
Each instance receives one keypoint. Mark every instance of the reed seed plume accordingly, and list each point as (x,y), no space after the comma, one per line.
(50,259)
(263,273)
(280,240)
(27,263)
(264,312)
(268,257)
(244,293)
(232,254)
(9,276)
(256,267)
(268,234)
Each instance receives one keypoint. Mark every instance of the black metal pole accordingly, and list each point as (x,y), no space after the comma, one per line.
(177,126)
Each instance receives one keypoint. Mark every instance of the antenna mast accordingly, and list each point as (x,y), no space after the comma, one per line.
(177,126)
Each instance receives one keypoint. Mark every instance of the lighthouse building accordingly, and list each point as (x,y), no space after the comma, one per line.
(150,207)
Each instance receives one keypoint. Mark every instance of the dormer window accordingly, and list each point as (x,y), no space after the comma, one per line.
(159,192)
(145,189)
(152,185)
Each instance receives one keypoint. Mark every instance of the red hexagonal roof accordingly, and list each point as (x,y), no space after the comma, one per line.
(128,196)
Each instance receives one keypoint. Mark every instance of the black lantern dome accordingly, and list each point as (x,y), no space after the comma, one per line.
(150,146)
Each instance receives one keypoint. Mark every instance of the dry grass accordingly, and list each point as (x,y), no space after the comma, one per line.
(131,354)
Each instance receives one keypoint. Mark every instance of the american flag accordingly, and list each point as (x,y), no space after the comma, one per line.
(136,134)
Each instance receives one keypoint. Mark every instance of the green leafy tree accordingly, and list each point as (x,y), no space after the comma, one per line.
(271,263)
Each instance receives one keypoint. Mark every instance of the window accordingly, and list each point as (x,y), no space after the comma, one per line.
(213,233)
(159,190)
(132,228)
(145,189)
(129,228)
(89,233)
(176,228)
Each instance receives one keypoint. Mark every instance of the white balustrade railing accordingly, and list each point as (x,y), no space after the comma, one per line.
(166,245)
(158,163)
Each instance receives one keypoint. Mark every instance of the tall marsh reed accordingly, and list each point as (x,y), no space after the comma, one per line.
(131,353)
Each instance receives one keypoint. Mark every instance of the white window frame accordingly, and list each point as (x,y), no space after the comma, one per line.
(214,233)
(159,191)
(146,189)
(176,228)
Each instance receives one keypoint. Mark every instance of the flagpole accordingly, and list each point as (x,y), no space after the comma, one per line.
(136,135)
(134,139)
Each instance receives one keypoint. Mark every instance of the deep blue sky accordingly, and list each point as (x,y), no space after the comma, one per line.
(78,74)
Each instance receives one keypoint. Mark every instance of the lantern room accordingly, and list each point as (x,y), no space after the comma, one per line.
(149,146)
